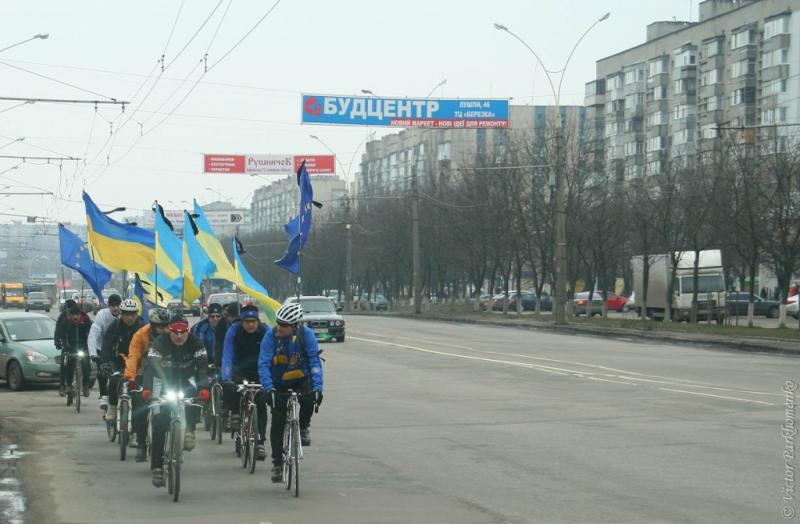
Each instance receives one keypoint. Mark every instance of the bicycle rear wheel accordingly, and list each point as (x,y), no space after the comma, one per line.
(254,437)
(177,458)
(123,414)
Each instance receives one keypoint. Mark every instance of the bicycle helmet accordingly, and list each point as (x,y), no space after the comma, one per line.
(291,313)
(129,306)
(159,316)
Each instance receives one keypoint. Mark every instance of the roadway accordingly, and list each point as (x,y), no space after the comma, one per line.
(429,422)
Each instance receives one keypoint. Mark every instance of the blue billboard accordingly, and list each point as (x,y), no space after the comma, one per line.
(404,112)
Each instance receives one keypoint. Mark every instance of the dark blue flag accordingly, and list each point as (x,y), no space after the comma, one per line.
(299,228)
(139,297)
(75,254)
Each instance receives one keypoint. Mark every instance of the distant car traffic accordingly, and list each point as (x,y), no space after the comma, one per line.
(223,299)
(37,300)
(581,303)
(792,306)
(528,302)
(27,352)
(738,303)
(67,294)
(377,303)
(320,315)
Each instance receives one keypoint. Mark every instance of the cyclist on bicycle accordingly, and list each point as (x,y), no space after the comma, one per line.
(206,330)
(289,359)
(76,339)
(240,363)
(102,321)
(62,325)
(114,350)
(173,359)
(134,364)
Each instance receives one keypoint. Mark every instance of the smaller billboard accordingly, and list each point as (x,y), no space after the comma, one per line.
(280,165)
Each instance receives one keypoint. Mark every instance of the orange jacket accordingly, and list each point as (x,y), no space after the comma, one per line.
(137,352)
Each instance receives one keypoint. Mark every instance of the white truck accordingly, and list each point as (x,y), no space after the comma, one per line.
(711,292)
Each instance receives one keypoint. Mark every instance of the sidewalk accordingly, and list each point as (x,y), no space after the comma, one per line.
(740,338)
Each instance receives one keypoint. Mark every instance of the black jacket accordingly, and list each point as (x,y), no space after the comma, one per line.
(61,330)
(76,336)
(174,365)
(116,341)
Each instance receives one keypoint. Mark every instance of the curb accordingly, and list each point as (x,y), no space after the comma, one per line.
(754,345)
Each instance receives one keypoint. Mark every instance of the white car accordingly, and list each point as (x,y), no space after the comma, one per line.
(792,306)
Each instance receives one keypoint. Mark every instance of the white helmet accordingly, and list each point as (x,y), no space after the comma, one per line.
(129,306)
(291,313)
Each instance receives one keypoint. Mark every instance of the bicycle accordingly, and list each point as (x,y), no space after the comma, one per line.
(215,412)
(292,447)
(74,393)
(173,438)
(123,422)
(248,430)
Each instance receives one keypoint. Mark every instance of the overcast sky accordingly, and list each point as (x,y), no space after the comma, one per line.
(249,102)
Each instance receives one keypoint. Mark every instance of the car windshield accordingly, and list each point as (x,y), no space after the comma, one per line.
(34,328)
(380,298)
(705,284)
(317,305)
(14,292)
(227,298)
(37,294)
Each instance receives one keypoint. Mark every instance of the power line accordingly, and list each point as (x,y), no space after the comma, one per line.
(48,158)
(63,101)
(229,51)
(57,81)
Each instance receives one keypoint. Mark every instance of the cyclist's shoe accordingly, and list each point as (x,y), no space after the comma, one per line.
(261,451)
(141,454)
(234,421)
(86,390)
(111,414)
(277,473)
(133,442)
(70,390)
(188,441)
(103,402)
(62,390)
(305,437)
(158,477)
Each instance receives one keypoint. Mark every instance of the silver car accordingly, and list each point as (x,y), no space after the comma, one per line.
(320,315)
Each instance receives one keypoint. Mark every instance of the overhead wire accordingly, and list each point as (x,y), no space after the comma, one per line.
(58,81)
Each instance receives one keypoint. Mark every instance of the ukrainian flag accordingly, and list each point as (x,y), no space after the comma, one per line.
(196,264)
(213,249)
(118,246)
(248,284)
(169,251)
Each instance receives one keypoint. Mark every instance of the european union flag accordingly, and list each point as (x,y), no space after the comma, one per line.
(299,228)
(75,255)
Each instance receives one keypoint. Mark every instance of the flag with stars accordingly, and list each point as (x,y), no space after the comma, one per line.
(299,228)
(75,254)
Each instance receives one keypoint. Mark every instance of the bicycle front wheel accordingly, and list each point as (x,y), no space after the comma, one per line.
(254,437)
(78,386)
(123,413)
(176,458)
(246,437)
(296,458)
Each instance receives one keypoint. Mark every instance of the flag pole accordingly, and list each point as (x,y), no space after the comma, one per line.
(94,268)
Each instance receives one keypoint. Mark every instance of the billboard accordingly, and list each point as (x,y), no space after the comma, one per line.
(268,164)
(229,217)
(404,112)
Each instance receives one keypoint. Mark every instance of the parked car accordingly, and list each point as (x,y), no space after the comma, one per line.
(65,295)
(320,315)
(738,303)
(792,306)
(88,302)
(581,302)
(528,302)
(27,352)
(223,298)
(377,303)
(37,300)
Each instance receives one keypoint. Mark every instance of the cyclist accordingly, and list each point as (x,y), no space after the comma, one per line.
(289,358)
(239,363)
(76,339)
(173,359)
(206,330)
(62,323)
(102,320)
(137,353)
(114,350)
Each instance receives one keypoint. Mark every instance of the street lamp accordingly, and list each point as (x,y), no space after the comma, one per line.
(40,36)
(437,86)
(223,197)
(559,311)
(368,92)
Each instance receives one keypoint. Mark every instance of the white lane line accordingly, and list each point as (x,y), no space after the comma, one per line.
(623,374)
(613,381)
(717,396)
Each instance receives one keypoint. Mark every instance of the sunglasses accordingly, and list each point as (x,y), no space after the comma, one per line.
(283,324)
(215,316)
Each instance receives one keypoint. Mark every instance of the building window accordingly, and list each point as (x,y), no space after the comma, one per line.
(684,57)
(634,75)
(613,128)
(634,101)
(656,67)
(773,116)
(775,87)
(655,143)
(681,137)
(743,38)
(711,77)
(714,103)
(633,148)
(659,93)
(445,152)
(654,167)
(680,111)
(741,68)
(711,48)
(742,96)
(709,131)
(775,57)
(615,82)
(656,119)
(776,26)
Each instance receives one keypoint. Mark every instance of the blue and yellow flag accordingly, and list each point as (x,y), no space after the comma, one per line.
(139,297)
(197,266)
(248,284)
(118,246)
(169,252)
(213,249)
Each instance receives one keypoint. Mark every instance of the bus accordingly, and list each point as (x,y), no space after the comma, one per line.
(13,295)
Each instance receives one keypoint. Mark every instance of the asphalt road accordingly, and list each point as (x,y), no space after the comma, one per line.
(427,422)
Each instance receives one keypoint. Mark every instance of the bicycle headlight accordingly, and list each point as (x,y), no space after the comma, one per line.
(34,356)
(171,396)
(80,354)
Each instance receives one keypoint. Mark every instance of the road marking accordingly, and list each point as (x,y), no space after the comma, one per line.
(613,381)
(718,396)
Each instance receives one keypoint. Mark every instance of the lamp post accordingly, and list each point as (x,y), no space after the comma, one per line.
(40,36)
(560,247)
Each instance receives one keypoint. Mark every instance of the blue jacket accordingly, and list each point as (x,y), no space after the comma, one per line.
(282,363)
(207,335)
(240,353)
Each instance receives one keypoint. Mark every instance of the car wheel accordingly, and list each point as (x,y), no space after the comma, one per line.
(27,310)
(772,312)
(14,376)
(340,339)
(47,310)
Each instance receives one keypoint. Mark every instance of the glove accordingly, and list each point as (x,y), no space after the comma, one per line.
(203,395)
(105,368)
(132,385)
(147,395)
(95,359)
(317,397)
(270,397)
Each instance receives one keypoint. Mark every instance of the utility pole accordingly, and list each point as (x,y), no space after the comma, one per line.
(560,305)
(415,238)
(348,294)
